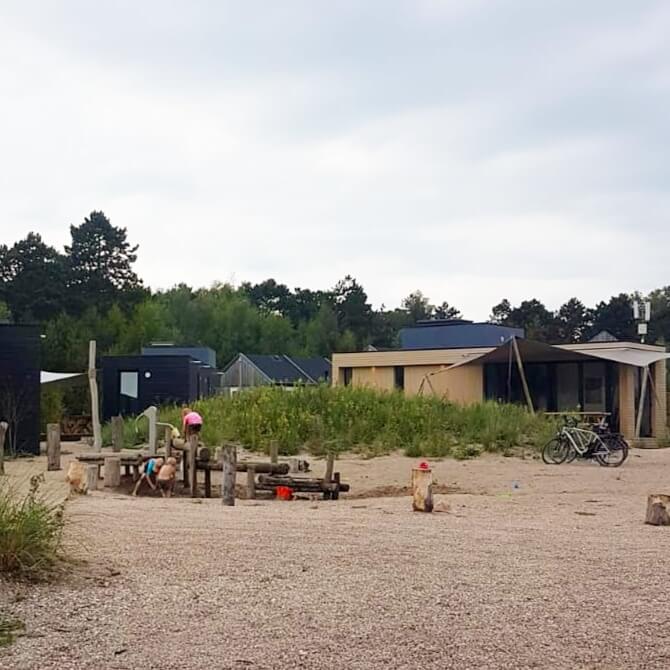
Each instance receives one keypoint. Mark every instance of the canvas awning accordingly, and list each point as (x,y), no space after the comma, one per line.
(56,377)
(628,356)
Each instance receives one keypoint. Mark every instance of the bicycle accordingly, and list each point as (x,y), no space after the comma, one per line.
(571,442)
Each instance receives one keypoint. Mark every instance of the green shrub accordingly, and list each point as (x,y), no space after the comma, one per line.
(51,406)
(30,532)
(322,418)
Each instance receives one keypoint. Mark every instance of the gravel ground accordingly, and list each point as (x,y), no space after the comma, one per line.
(559,573)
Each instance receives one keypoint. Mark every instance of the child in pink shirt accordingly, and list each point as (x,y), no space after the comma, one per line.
(191,422)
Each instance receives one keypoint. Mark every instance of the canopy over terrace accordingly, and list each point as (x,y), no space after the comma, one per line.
(517,352)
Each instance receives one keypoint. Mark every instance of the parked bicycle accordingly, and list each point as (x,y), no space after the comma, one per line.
(571,442)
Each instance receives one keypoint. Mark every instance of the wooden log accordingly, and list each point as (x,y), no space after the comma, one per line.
(330,465)
(229,472)
(265,468)
(208,483)
(91,478)
(168,442)
(112,471)
(422,490)
(274,452)
(3,432)
(301,484)
(193,470)
(658,510)
(53,446)
(251,484)
(117,433)
(95,402)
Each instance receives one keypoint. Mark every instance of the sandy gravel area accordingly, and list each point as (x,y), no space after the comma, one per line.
(532,567)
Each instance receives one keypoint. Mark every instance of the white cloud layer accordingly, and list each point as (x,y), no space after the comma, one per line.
(474,150)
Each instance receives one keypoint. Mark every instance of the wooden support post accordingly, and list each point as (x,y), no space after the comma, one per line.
(218,454)
(643,397)
(208,483)
(117,433)
(3,432)
(274,452)
(53,446)
(422,490)
(112,472)
(95,402)
(330,465)
(335,493)
(91,477)
(251,483)
(658,510)
(522,374)
(193,465)
(168,442)
(229,475)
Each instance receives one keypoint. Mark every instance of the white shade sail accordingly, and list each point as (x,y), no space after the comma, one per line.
(55,377)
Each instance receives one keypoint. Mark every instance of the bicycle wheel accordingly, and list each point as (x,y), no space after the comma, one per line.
(555,451)
(617,451)
(572,454)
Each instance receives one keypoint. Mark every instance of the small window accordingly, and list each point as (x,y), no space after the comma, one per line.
(346,376)
(128,384)
(399,377)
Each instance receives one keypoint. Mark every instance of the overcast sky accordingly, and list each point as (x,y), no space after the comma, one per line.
(473,149)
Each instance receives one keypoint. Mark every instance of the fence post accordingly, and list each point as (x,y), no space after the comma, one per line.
(251,482)
(229,476)
(112,472)
(117,433)
(53,446)
(274,452)
(3,431)
(168,442)
(193,465)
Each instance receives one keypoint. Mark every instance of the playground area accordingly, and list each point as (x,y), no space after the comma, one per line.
(531,566)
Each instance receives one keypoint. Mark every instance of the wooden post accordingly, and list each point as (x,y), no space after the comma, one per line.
(229,474)
(3,431)
(91,477)
(208,483)
(293,465)
(422,490)
(330,465)
(251,483)
(193,465)
(658,510)
(112,472)
(522,374)
(168,442)
(53,446)
(117,433)
(95,402)
(643,397)
(274,452)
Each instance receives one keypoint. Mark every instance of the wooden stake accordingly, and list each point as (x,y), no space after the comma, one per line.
(229,473)
(95,401)
(658,510)
(117,433)
(274,452)
(251,483)
(3,431)
(112,472)
(53,446)
(91,477)
(330,465)
(168,442)
(422,490)
(522,374)
(643,397)
(192,465)
(208,483)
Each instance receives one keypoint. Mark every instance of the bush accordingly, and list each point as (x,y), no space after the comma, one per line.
(30,533)
(322,418)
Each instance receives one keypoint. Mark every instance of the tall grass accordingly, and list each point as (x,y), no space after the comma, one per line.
(324,419)
(30,532)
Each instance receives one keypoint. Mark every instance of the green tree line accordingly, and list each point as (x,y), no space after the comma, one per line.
(90,290)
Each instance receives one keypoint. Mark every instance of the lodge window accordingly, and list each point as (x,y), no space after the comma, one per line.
(399,377)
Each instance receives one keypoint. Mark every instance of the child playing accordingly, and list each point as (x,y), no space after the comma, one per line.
(149,469)
(191,421)
(166,477)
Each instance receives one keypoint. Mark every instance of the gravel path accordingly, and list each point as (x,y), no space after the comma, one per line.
(561,573)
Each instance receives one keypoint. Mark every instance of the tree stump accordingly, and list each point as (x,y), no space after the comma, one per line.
(53,446)
(91,477)
(658,510)
(117,433)
(112,472)
(422,490)
(229,475)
